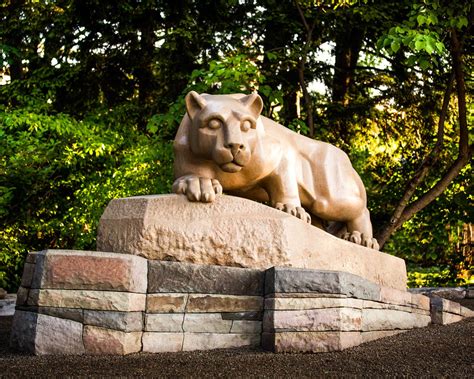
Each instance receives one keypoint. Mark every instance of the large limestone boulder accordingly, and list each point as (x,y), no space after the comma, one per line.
(236,232)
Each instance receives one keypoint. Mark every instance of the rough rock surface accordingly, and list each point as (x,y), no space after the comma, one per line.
(235,232)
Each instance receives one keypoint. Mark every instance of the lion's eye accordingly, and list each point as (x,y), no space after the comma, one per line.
(214,123)
(246,125)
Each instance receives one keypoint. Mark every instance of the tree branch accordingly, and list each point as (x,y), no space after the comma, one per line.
(403,211)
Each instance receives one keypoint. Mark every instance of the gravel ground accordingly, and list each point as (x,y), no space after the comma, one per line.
(435,351)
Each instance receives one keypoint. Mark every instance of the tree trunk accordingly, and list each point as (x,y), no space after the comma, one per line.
(301,70)
(404,211)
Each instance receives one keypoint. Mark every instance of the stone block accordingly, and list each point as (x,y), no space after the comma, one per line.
(31,257)
(389,319)
(246,327)
(444,318)
(311,303)
(124,321)
(315,342)
(195,278)
(366,304)
(7,305)
(250,316)
(23,332)
(210,341)
(296,280)
(466,312)
(372,336)
(235,232)
(164,322)
(328,319)
(102,341)
(206,323)
(73,314)
(90,270)
(162,342)
(166,302)
(223,303)
(394,296)
(420,301)
(27,277)
(22,296)
(41,334)
(439,304)
(94,300)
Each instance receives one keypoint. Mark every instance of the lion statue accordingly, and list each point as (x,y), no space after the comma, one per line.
(223,143)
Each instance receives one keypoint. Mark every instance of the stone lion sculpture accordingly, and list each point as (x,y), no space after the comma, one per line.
(223,143)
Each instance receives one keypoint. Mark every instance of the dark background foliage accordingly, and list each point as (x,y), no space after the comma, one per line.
(92,94)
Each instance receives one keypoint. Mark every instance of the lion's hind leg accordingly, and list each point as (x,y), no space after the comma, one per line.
(359,231)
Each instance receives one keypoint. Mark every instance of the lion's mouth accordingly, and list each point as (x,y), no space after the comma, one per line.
(231,167)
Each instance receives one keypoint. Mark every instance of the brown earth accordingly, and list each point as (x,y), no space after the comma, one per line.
(435,351)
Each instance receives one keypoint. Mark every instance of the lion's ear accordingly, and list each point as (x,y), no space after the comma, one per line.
(194,103)
(254,103)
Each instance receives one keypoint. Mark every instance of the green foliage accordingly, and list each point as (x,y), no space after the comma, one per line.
(435,276)
(57,175)
(96,94)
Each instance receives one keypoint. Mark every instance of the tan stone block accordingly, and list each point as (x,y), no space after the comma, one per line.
(22,296)
(244,234)
(466,312)
(326,319)
(27,277)
(372,336)
(420,301)
(315,342)
(377,305)
(210,341)
(166,302)
(71,269)
(95,300)
(395,296)
(223,303)
(164,322)
(162,342)
(388,319)
(311,303)
(444,318)
(99,340)
(206,322)
(246,327)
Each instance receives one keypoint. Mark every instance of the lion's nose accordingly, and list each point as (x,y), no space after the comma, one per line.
(235,147)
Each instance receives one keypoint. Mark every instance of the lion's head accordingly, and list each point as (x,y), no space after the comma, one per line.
(224,127)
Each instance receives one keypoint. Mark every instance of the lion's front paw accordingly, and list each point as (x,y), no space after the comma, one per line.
(361,239)
(295,211)
(197,189)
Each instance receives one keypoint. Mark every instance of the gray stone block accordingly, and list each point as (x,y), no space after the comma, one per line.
(295,280)
(187,277)
(23,332)
(41,334)
(124,321)
(74,314)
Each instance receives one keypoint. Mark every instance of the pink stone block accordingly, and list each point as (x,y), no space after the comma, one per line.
(70,269)
(107,341)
